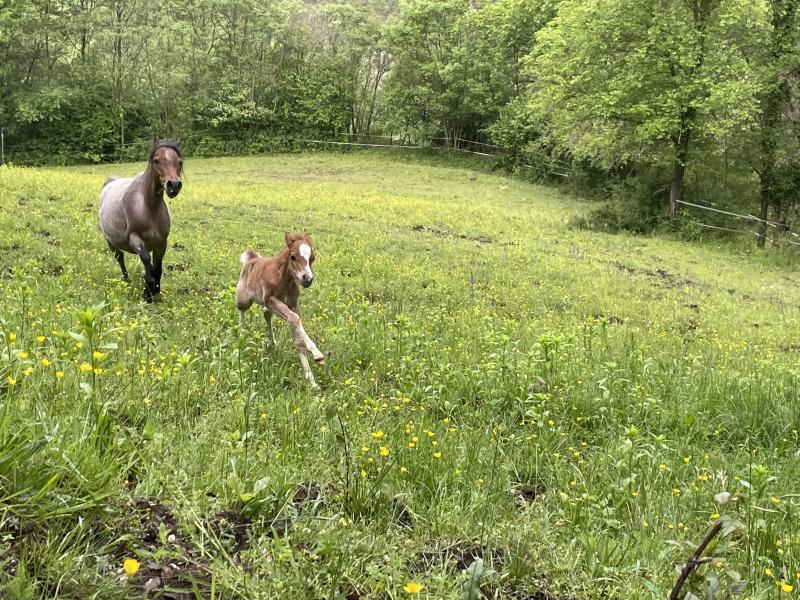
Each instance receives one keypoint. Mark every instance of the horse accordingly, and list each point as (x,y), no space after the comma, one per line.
(274,283)
(134,217)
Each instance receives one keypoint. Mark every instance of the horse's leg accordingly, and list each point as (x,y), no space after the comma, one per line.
(149,280)
(120,256)
(300,338)
(158,259)
(318,356)
(268,319)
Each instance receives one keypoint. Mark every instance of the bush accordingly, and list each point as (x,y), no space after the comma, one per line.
(638,204)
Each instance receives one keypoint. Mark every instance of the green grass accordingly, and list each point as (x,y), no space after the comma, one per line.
(565,405)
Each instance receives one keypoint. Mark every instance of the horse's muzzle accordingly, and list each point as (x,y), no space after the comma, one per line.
(307,281)
(173,187)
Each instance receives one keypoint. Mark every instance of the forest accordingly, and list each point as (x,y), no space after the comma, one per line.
(652,104)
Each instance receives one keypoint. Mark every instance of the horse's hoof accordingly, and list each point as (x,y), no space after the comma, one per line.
(320,360)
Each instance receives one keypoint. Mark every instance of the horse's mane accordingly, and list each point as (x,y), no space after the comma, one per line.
(164,144)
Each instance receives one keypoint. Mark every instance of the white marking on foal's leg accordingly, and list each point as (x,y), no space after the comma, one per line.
(307,369)
(318,356)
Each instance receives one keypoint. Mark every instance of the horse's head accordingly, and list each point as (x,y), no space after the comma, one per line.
(167,164)
(301,257)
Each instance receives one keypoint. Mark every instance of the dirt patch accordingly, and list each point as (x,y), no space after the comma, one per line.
(176,580)
(525,493)
(178,267)
(232,527)
(457,556)
(665,278)
(612,319)
(460,236)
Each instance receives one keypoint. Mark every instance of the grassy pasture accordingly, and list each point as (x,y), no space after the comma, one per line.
(574,409)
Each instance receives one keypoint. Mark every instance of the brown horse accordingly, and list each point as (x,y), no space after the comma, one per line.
(274,283)
(134,217)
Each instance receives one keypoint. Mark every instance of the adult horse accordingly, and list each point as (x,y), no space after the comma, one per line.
(134,217)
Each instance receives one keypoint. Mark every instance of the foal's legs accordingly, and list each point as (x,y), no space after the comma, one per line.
(301,339)
(149,280)
(270,332)
(318,356)
(120,256)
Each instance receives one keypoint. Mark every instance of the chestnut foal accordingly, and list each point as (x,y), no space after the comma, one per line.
(274,283)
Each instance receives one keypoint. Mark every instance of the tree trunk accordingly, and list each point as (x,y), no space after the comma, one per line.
(679,164)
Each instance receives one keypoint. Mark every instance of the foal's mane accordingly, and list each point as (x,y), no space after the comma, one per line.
(164,144)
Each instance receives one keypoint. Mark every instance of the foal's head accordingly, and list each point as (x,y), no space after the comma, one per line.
(301,256)
(167,164)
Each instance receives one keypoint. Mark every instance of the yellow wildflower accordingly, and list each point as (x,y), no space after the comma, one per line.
(377,434)
(130,566)
(412,588)
(11,381)
(45,362)
(384,450)
(59,374)
(23,355)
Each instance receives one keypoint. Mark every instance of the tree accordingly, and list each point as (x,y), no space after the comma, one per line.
(631,81)
(781,59)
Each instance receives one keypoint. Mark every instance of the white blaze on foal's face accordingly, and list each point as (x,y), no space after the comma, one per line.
(305,252)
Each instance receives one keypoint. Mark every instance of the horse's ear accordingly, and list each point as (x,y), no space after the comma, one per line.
(288,237)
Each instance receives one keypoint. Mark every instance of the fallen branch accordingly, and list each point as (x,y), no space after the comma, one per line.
(695,560)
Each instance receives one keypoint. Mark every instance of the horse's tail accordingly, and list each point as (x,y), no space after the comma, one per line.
(109,180)
(248,255)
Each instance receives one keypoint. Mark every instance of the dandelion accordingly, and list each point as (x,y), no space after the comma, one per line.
(384,450)
(85,367)
(686,459)
(130,566)
(363,473)
(412,588)
(59,374)
(676,492)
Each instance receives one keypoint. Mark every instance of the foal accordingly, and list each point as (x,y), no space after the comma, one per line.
(274,283)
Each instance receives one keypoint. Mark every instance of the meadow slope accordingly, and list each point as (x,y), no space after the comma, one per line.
(573,409)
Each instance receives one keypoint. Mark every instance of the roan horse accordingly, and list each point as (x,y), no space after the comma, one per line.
(134,217)
(274,283)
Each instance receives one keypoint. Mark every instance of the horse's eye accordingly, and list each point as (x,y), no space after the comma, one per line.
(156,161)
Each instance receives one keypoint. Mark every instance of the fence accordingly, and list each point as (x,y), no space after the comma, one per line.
(232,143)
